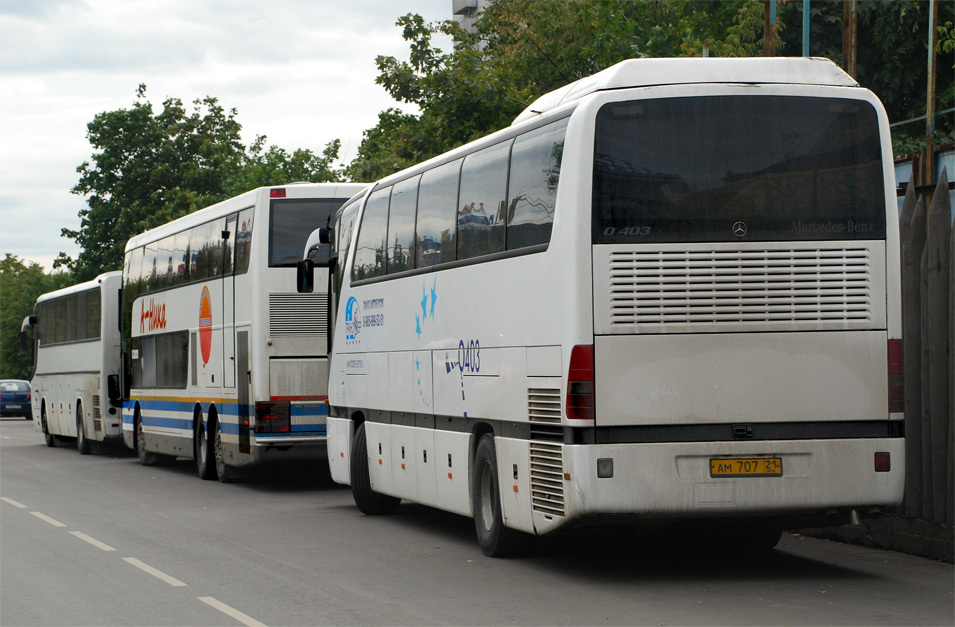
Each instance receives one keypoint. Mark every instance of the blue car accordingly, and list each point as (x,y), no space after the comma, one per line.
(15,398)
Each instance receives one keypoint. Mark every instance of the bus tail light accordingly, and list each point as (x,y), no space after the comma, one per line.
(896,377)
(580,383)
(273,417)
(278,192)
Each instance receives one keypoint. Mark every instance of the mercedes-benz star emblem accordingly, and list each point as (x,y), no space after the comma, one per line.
(739,229)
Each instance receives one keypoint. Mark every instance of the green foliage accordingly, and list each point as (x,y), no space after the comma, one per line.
(523,49)
(458,101)
(891,58)
(150,168)
(20,285)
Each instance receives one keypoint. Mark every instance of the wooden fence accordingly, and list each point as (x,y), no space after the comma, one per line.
(928,340)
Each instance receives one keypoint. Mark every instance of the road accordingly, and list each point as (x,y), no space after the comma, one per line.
(102,540)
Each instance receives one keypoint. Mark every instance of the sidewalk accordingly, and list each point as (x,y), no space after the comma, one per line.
(907,535)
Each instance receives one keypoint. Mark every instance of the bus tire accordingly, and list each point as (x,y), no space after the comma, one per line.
(82,443)
(202,448)
(47,436)
(368,501)
(146,458)
(495,538)
(224,472)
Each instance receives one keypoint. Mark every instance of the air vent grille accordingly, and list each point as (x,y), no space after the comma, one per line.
(543,405)
(97,417)
(740,287)
(547,478)
(296,315)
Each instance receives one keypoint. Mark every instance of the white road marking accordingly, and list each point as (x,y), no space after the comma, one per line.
(46,518)
(85,538)
(158,574)
(12,502)
(245,619)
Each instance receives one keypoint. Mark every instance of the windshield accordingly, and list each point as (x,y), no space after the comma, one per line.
(731,168)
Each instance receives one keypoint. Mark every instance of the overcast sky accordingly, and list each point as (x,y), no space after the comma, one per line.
(301,72)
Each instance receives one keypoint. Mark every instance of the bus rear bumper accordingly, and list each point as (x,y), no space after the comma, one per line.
(674,481)
(677,478)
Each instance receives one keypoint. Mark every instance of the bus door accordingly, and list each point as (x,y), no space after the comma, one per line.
(228,304)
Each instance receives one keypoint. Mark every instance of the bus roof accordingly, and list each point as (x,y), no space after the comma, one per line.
(246,199)
(689,70)
(82,287)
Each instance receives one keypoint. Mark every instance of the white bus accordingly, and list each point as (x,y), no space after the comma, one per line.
(669,291)
(76,362)
(225,361)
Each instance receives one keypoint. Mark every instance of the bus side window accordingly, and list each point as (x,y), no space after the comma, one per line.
(243,241)
(437,199)
(370,253)
(480,218)
(401,218)
(532,191)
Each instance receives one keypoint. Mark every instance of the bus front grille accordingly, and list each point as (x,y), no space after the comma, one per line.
(756,287)
(294,315)
(547,478)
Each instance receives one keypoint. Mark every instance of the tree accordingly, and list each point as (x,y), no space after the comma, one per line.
(523,49)
(20,285)
(891,58)
(150,168)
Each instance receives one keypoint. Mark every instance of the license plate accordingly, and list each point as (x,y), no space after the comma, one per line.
(14,406)
(746,467)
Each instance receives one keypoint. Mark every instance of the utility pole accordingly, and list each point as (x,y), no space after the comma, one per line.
(850,11)
(769,28)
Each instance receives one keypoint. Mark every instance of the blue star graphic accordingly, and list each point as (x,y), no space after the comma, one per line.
(434,296)
(424,303)
(417,364)
(418,321)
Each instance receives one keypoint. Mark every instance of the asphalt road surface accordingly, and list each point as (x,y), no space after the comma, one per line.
(102,540)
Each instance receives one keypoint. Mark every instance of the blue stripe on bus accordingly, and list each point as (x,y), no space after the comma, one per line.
(225,409)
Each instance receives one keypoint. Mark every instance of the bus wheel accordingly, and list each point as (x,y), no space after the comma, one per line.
(495,539)
(82,444)
(225,473)
(47,436)
(201,446)
(367,500)
(146,458)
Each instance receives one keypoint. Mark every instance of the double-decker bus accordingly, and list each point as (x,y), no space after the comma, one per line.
(76,362)
(221,354)
(668,292)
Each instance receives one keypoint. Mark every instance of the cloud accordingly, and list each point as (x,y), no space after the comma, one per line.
(301,72)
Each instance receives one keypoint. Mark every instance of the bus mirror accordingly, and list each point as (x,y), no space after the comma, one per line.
(305,283)
(325,235)
(112,389)
(23,339)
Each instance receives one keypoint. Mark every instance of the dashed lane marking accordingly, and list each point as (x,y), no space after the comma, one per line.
(46,518)
(12,502)
(158,574)
(245,619)
(85,538)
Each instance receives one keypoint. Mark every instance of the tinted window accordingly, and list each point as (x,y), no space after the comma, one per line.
(370,251)
(483,199)
(437,199)
(292,221)
(532,191)
(689,169)
(243,241)
(401,216)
